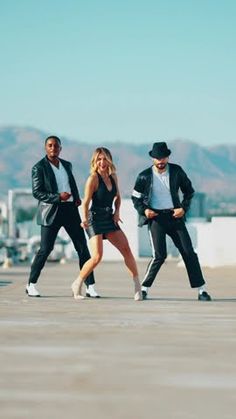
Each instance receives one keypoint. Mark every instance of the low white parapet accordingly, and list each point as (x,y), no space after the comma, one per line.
(216,242)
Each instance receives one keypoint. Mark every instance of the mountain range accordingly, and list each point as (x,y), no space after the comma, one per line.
(211,169)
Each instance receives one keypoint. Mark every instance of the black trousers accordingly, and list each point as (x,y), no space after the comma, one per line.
(69,218)
(159,227)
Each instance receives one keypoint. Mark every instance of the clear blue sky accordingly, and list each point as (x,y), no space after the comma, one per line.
(120,70)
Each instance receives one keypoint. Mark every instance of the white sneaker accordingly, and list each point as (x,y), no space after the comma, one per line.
(31,290)
(90,292)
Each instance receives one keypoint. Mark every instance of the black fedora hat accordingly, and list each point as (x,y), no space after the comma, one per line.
(159,151)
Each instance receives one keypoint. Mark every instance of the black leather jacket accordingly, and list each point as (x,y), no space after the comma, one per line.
(142,192)
(44,188)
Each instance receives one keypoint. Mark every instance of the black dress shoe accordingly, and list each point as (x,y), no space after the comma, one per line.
(144,294)
(204,296)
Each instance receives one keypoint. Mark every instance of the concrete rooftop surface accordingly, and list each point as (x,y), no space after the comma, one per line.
(169,357)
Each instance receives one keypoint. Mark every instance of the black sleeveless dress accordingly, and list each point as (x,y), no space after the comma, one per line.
(100,219)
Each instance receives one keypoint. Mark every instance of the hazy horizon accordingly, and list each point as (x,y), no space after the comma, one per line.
(110,141)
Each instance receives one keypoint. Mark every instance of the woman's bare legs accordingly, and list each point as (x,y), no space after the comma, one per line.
(96,248)
(119,240)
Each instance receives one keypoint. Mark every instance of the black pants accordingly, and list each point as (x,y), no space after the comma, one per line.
(69,218)
(158,228)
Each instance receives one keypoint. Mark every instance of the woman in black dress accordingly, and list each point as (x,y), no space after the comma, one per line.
(101,220)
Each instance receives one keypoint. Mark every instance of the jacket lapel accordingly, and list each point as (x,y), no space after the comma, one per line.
(74,189)
(171,177)
(52,183)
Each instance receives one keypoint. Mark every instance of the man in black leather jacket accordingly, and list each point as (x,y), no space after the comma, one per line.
(54,186)
(156,198)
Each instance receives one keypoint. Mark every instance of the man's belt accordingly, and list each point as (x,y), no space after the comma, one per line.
(164,211)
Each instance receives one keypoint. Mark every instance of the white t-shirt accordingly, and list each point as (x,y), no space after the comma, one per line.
(161,196)
(62,179)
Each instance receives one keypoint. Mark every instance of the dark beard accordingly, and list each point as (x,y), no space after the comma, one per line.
(161,166)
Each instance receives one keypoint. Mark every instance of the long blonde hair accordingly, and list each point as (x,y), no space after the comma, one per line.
(94,159)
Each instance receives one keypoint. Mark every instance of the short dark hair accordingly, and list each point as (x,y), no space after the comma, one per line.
(54,137)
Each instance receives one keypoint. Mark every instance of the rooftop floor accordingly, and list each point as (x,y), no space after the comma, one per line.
(168,357)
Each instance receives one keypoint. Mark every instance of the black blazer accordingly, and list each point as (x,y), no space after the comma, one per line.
(142,192)
(44,188)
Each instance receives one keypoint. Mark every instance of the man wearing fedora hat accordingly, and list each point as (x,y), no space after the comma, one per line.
(156,198)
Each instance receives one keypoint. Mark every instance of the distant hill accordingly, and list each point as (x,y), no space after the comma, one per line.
(211,169)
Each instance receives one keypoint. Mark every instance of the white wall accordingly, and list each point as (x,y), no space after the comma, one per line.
(216,242)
